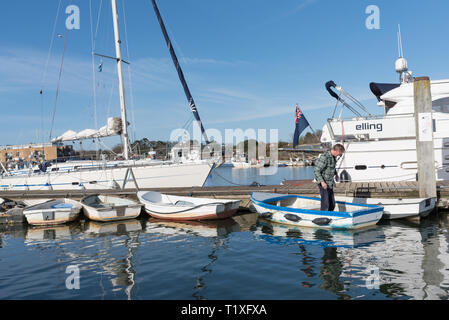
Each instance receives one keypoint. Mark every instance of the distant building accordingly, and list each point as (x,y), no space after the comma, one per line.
(34,152)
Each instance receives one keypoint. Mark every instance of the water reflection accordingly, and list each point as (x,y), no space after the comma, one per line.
(13,231)
(216,230)
(218,243)
(207,228)
(122,269)
(331,273)
(330,276)
(116,259)
(409,261)
(412,257)
(93,248)
(43,234)
(118,228)
(285,234)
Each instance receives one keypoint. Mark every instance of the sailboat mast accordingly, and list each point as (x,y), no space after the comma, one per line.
(125,140)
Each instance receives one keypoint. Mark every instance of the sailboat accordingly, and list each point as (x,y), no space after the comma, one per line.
(105,174)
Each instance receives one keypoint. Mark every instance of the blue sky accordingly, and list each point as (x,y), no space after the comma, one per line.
(247,62)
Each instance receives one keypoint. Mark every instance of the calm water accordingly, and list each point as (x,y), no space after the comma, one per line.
(238,258)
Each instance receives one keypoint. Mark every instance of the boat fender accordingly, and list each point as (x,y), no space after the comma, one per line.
(292,217)
(266,215)
(344,176)
(321,221)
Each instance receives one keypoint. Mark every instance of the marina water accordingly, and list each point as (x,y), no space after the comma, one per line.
(238,258)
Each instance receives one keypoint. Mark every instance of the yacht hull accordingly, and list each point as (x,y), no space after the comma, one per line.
(119,176)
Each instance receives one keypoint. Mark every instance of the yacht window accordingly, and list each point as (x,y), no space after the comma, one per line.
(441,105)
(360,167)
(389,104)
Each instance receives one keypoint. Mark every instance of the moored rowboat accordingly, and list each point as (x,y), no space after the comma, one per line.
(168,207)
(109,208)
(56,211)
(397,208)
(305,211)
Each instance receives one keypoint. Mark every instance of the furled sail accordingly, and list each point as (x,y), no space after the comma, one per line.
(113,128)
(180,73)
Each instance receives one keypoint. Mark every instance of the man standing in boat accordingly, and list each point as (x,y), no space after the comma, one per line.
(324,173)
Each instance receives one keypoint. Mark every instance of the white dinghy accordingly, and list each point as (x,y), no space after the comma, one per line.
(110,208)
(169,207)
(55,211)
(397,208)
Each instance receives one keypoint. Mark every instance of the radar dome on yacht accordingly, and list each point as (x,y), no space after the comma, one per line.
(401,65)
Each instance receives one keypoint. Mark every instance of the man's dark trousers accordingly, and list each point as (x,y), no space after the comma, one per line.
(327,198)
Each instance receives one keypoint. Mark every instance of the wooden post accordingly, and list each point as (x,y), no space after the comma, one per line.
(424,138)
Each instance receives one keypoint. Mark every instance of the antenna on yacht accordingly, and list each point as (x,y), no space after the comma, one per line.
(401,65)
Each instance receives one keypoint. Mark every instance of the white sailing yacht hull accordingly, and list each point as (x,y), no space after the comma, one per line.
(147,176)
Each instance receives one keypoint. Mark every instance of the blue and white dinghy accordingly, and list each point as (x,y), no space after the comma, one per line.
(305,211)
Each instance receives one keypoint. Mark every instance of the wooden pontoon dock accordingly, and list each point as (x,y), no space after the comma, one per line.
(301,187)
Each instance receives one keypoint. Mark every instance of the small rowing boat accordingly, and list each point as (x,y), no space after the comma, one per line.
(305,211)
(398,208)
(110,208)
(168,207)
(55,211)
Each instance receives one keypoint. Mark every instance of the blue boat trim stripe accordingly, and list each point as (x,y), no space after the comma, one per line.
(318,199)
